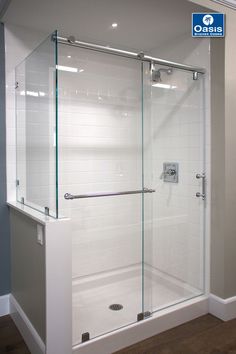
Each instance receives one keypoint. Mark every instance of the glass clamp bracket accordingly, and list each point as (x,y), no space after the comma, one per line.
(142,315)
(46,211)
(85,337)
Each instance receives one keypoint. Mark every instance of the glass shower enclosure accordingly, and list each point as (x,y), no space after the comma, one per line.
(115,143)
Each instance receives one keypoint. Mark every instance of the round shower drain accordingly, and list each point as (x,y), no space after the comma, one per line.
(116,307)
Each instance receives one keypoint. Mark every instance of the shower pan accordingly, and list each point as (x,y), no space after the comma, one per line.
(95,126)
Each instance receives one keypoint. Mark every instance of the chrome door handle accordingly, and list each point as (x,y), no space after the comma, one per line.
(203,194)
(108,194)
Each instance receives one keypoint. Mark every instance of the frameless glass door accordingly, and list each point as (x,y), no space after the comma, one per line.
(102,186)
(174,257)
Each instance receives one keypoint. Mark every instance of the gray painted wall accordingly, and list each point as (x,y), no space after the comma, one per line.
(4,215)
(28,270)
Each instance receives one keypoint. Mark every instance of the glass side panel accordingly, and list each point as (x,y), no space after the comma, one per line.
(36,128)
(175,260)
(100,133)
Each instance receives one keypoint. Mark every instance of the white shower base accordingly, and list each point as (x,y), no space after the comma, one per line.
(92,296)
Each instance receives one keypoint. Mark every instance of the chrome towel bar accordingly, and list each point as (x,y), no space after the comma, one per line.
(69,196)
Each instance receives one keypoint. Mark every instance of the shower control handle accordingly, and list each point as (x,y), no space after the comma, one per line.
(170,172)
(203,194)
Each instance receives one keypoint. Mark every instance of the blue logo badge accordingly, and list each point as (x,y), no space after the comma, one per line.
(208,25)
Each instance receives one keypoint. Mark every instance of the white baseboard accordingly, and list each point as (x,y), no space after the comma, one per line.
(4,305)
(28,332)
(225,309)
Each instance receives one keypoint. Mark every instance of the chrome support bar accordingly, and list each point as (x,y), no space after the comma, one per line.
(203,194)
(69,196)
(141,56)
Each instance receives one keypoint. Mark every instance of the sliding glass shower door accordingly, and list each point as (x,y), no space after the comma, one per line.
(101,161)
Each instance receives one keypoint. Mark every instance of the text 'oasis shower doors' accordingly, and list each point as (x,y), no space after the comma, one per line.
(208,25)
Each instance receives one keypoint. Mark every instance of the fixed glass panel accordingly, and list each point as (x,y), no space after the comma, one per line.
(175,261)
(100,134)
(36,141)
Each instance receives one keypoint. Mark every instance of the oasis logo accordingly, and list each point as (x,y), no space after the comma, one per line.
(207,25)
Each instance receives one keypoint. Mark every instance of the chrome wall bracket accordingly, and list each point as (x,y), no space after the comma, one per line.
(142,315)
(46,211)
(71,39)
(195,75)
(85,337)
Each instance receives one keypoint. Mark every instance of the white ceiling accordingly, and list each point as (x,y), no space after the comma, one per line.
(142,25)
(228,3)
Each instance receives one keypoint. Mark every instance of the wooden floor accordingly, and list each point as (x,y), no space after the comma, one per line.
(11,341)
(205,335)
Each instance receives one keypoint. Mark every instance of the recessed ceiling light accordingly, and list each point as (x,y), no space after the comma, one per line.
(114,25)
(68,56)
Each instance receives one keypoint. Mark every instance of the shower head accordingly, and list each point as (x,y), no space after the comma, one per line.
(156,74)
